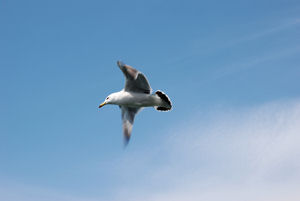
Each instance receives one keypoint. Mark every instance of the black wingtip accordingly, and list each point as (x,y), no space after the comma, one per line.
(166,99)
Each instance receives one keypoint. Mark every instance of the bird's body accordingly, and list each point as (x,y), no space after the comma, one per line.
(132,99)
(135,95)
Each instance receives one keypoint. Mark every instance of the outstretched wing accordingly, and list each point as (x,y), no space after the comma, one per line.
(128,114)
(135,80)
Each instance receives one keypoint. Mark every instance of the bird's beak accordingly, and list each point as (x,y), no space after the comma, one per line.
(102,104)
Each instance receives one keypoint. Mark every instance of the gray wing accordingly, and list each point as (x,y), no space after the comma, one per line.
(128,114)
(135,80)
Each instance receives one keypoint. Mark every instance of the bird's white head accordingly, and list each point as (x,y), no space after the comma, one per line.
(111,99)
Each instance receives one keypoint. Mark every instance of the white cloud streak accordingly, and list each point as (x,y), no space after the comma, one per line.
(227,154)
(246,154)
(257,34)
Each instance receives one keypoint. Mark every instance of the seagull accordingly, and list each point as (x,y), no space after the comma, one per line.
(136,94)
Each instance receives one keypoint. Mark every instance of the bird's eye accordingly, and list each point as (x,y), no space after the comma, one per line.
(107,98)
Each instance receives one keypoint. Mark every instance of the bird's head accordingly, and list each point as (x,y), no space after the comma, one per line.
(111,99)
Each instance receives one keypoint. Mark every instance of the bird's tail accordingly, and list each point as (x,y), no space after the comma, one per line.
(167,105)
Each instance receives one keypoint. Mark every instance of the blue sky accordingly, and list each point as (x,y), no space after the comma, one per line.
(231,69)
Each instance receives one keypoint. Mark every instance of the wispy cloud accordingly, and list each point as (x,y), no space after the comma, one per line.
(253,62)
(280,26)
(196,48)
(224,154)
(245,154)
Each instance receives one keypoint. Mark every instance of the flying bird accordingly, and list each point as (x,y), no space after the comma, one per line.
(136,94)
